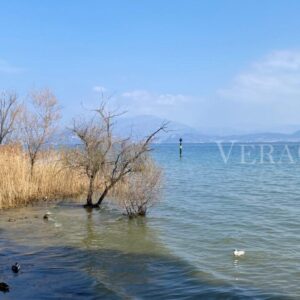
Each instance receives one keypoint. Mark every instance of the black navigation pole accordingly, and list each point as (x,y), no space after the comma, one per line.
(180,147)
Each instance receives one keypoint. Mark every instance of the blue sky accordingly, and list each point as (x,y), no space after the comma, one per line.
(215,65)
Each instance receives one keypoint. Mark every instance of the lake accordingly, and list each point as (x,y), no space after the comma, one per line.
(215,198)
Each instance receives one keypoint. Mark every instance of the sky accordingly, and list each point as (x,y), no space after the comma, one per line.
(219,66)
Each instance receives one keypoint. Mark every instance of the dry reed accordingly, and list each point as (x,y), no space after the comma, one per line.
(50,179)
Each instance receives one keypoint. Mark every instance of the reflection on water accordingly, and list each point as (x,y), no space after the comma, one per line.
(182,250)
(96,255)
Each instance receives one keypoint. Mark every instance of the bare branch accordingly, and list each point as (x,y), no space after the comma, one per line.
(40,123)
(9,111)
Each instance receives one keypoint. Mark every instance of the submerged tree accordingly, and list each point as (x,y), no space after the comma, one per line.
(141,189)
(91,155)
(9,111)
(105,158)
(39,123)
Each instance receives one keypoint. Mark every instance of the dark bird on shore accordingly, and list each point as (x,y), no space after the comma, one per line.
(47,215)
(4,287)
(16,268)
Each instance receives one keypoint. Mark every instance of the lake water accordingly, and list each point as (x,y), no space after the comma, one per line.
(183,248)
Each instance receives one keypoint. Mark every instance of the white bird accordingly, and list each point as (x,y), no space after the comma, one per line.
(239,252)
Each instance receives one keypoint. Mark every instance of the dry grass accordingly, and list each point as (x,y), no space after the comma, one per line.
(50,179)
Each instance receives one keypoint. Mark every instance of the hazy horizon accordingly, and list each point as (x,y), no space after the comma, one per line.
(131,120)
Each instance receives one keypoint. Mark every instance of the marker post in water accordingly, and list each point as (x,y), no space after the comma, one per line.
(180,147)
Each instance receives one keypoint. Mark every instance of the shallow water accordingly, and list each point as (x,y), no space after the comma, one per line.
(182,250)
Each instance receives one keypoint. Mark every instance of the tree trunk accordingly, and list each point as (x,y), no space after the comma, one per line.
(103,195)
(31,168)
(89,199)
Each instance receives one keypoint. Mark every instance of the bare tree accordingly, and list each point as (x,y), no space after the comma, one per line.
(90,157)
(102,154)
(39,123)
(9,111)
(141,189)
(126,158)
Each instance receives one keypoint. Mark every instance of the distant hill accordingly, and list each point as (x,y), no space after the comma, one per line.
(264,137)
(141,126)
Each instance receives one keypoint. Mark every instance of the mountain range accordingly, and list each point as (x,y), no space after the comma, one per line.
(140,126)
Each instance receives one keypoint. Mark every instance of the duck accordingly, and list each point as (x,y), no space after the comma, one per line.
(4,287)
(16,268)
(239,252)
(47,215)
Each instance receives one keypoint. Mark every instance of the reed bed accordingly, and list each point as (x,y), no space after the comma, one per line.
(50,179)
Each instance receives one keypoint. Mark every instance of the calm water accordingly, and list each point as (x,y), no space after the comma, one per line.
(182,250)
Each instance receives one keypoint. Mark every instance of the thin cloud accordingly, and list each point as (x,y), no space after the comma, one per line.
(99,89)
(165,105)
(265,95)
(144,97)
(275,78)
(7,68)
